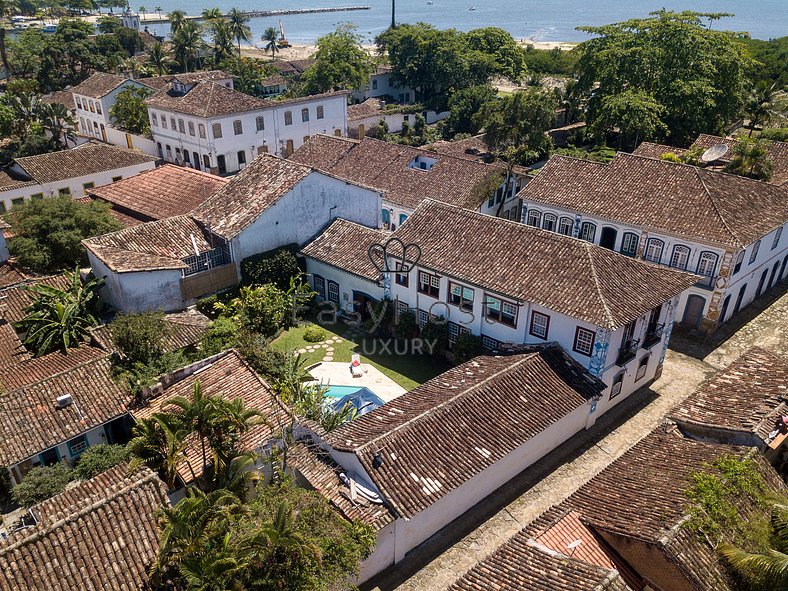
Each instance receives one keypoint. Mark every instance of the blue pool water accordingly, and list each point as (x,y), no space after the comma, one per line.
(340,391)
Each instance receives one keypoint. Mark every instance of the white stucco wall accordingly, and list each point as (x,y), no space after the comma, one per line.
(87,118)
(304,212)
(140,291)
(3,248)
(348,283)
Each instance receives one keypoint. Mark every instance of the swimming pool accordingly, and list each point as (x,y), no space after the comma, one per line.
(364,399)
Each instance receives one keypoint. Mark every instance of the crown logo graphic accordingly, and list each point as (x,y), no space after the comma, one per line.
(393,255)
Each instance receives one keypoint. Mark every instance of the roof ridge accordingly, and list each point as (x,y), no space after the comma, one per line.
(715,207)
(597,284)
(104,500)
(473,388)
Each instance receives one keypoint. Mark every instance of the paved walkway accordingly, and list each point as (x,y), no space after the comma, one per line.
(458,547)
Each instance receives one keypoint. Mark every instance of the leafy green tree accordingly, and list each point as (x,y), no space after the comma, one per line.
(467,347)
(158,443)
(108,24)
(36,142)
(636,114)
(141,336)
(340,63)
(697,75)
(751,159)
(768,64)
(515,125)
(508,56)
(129,40)
(766,571)
(59,319)
(263,309)
(239,25)
(99,458)
(7,8)
(550,61)
(271,38)
(48,234)
(463,106)
(130,111)
(759,104)
(277,266)
(159,59)
(221,335)
(41,484)
(434,63)
(249,73)
(58,121)
(187,44)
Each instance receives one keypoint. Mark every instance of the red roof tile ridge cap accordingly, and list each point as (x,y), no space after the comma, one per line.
(612,574)
(527,358)
(597,285)
(716,209)
(104,500)
(59,373)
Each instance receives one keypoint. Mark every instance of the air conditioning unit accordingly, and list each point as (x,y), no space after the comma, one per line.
(64,400)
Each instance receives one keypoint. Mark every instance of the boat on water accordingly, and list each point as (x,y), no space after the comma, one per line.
(472,8)
(50,28)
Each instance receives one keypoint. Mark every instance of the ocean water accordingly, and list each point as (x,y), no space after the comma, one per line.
(542,20)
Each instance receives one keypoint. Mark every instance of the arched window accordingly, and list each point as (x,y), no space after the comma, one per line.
(680,256)
(629,244)
(654,250)
(549,222)
(565,226)
(587,231)
(304,115)
(707,264)
(534,218)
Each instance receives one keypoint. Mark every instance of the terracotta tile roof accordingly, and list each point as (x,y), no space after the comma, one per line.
(162,192)
(101,535)
(206,99)
(651,150)
(369,108)
(472,148)
(385,166)
(31,423)
(159,82)
(747,396)
(15,298)
(230,377)
(273,81)
(158,245)
(84,160)
(61,97)
(685,200)
(438,436)
(187,328)
(567,275)
(522,565)
(344,245)
(276,102)
(253,190)
(9,275)
(8,182)
(99,85)
(322,473)
(23,372)
(778,151)
(12,351)
(616,501)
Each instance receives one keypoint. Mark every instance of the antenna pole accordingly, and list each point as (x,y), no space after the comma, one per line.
(393,6)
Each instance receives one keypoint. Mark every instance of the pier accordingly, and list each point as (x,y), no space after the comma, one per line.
(153,18)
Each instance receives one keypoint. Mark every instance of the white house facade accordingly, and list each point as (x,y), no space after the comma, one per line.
(211,127)
(728,230)
(93,99)
(382,84)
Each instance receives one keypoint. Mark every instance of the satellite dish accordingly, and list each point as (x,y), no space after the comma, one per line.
(714,153)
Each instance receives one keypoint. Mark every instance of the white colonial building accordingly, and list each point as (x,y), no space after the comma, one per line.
(209,126)
(382,84)
(68,172)
(728,229)
(166,264)
(93,99)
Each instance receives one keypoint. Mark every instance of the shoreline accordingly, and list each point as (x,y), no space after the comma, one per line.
(301,51)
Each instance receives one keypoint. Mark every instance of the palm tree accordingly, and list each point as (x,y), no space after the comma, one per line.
(759,104)
(223,46)
(271,35)
(283,539)
(187,44)
(159,59)
(59,122)
(751,159)
(157,10)
(159,443)
(7,8)
(767,571)
(176,18)
(27,108)
(142,12)
(196,415)
(230,419)
(60,318)
(212,14)
(240,27)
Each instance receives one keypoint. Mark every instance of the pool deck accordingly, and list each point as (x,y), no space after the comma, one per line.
(338,374)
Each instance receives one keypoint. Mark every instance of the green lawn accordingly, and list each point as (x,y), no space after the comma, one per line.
(408,371)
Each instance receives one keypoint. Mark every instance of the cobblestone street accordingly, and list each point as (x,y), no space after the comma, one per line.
(458,547)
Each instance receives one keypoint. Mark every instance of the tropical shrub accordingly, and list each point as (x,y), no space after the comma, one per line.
(41,483)
(314,334)
(223,333)
(140,335)
(263,309)
(275,266)
(467,347)
(100,458)
(437,333)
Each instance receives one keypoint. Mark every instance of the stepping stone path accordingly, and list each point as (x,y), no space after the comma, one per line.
(326,346)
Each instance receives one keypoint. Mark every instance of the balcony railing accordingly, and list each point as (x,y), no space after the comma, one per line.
(653,336)
(708,282)
(627,352)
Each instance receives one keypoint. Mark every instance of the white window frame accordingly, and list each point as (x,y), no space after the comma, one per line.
(680,257)
(583,336)
(552,220)
(533,218)
(540,325)
(567,224)
(707,263)
(650,252)
(587,231)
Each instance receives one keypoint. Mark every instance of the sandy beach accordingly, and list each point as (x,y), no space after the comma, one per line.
(301,52)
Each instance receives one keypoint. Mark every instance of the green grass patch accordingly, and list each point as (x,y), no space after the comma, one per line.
(408,371)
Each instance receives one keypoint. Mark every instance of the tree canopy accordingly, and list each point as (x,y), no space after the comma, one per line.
(340,63)
(509,57)
(130,111)
(696,76)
